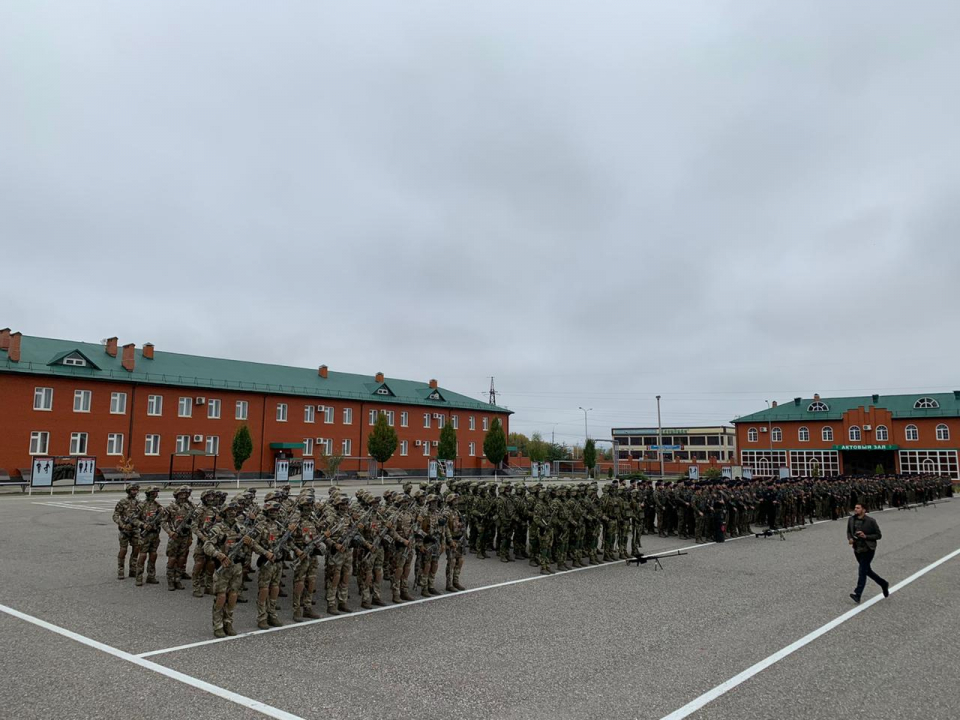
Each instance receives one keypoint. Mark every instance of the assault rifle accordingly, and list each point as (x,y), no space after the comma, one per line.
(234,551)
(770,532)
(641,559)
(151,525)
(276,550)
(128,520)
(184,527)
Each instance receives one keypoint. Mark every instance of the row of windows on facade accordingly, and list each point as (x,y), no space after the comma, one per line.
(79,442)
(924,403)
(701,440)
(82,400)
(677,455)
(827,462)
(881,434)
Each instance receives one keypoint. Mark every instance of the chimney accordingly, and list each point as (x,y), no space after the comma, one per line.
(148,351)
(956,394)
(876,398)
(796,401)
(5,339)
(379,377)
(816,396)
(774,403)
(14,350)
(111,347)
(128,359)
(322,372)
(433,384)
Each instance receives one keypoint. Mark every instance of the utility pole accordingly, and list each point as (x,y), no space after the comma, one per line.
(493,392)
(586,433)
(659,438)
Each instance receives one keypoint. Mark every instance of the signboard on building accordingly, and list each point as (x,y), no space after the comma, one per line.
(666,447)
(651,431)
(866,447)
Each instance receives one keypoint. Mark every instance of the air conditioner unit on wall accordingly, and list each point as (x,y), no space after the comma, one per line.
(321,408)
(320,441)
(763,429)
(198,438)
(200,400)
(419,443)
(868,427)
(435,443)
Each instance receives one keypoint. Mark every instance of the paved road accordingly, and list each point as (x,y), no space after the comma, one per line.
(612,642)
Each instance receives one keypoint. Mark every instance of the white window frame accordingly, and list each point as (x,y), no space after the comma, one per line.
(912,430)
(154,405)
(945,434)
(473,423)
(185,407)
(426,448)
(115,444)
(282,412)
(941,462)
(309,413)
(426,420)
(79,442)
(74,361)
(328,411)
(753,435)
(372,417)
(184,442)
(82,400)
(486,424)
(348,416)
(826,433)
(776,435)
(926,403)
(242,410)
(404,447)
(818,406)
(212,445)
(854,434)
(118,403)
(803,434)
(214,407)
(39,442)
(882,433)
(472,449)
(308,447)
(441,421)
(404,419)
(43,399)
(346,447)
(391,415)
(455,421)
(151,445)
(328,446)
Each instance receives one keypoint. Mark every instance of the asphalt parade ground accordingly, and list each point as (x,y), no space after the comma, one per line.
(752,628)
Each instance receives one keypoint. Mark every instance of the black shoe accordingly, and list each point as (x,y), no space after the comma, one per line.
(886,588)
(855,598)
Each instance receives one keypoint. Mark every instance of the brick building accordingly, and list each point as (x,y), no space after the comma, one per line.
(917,433)
(638,449)
(66,398)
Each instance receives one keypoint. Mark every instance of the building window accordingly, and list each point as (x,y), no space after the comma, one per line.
(472,422)
(183,443)
(472,447)
(382,391)
(243,407)
(929,462)
(81,400)
(426,420)
(307,447)
(115,444)
(818,406)
(348,416)
(213,409)
(881,434)
(854,433)
(486,424)
(281,412)
(441,421)
(328,414)
(118,403)
(912,433)
(309,412)
(390,417)
(827,434)
(43,398)
(185,407)
(78,443)
(806,463)
(776,435)
(943,432)
(152,445)
(803,434)
(404,448)
(426,448)
(372,417)
(75,361)
(763,463)
(404,419)
(926,403)
(347,447)
(39,442)
(213,445)
(752,435)
(328,446)
(455,421)
(155,405)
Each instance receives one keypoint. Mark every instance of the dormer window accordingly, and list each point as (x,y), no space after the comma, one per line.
(818,406)
(925,403)
(75,360)
(382,391)
(434,396)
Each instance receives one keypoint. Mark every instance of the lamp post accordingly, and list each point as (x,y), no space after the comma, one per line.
(659,438)
(586,433)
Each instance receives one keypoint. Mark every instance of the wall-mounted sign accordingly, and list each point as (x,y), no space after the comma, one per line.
(866,447)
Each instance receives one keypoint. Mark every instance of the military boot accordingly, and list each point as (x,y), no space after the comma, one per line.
(456,582)
(450,587)
(396,597)
(378,602)
(342,607)
(298,615)
(405,595)
(177,585)
(228,629)
(332,610)
(366,605)
(310,613)
(432,590)
(170,580)
(532,563)
(218,622)
(424,592)
(121,572)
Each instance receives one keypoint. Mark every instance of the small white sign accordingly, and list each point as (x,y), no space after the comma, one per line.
(281,471)
(727,472)
(748,474)
(451,470)
(308,470)
(41,473)
(86,469)
(432,470)
(545,469)
(784,472)
(693,472)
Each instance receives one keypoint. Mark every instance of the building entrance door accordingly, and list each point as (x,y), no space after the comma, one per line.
(866,462)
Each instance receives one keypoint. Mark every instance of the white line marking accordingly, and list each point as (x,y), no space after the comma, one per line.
(220,692)
(725,687)
(65,506)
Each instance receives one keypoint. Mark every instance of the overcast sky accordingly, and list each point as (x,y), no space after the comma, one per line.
(719,202)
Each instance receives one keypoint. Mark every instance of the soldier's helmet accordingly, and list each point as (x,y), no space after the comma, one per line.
(269,497)
(286,488)
(208,495)
(134,488)
(342,500)
(407,487)
(252,492)
(305,500)
(452,498)
(231,508)
(183,489)
(152,490)
(271,506)
(432,498)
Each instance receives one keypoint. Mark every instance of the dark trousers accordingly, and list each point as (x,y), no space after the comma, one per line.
(865,571)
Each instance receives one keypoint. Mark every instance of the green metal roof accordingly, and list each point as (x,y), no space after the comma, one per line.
(900,406)
(193,371)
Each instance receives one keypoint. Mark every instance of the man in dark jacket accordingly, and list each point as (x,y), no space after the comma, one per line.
(862,534)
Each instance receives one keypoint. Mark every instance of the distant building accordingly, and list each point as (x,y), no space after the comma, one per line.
(915,433)
(639,448)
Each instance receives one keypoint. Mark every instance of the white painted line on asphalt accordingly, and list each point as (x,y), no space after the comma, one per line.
(220,692)
(66,506)
(725,687)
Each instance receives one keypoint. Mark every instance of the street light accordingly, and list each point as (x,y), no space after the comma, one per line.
(586,433)
(659,438)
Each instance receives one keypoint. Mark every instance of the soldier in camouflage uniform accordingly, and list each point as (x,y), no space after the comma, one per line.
(223,539)
(150,515)
(433,526)
(543,520)
(635,502)
(575,511)
(339,565)
(403,521)
(591,518)
(533,528)
(506,519)
(455,541)
(609,516)
(307,546)
(125,516)
(265,535)
(203,567)
(561,528)
(176,523)
(522,507)
(624,520)
(485,508)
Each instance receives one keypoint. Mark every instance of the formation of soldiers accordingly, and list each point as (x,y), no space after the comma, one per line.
(378,539)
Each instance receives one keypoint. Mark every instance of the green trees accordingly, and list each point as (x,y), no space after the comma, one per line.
(447,447)
(382,441)
(590,456)
(537,448)
(242,448)
(495,443)
(712,473)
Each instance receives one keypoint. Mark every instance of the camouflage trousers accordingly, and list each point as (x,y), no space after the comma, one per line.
(337,577)
(545,547)
(591,541)
(454,566)
(402,562)
(202,570)
(226,581)
(268,578)
(535,543)
(304,572)
(520,537)
(637,531)
(128,541)
(610,533)
(623,528)
(369,571)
